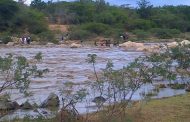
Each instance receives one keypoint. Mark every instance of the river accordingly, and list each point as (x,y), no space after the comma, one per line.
(69,65)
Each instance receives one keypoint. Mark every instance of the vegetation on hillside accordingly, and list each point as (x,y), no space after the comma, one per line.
(17,20)
(98,18)
(88,19)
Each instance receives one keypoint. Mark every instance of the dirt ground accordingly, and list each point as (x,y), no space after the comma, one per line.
(62,28)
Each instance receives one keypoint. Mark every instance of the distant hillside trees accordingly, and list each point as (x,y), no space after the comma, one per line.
(38,4)
(144,8)
(8,11)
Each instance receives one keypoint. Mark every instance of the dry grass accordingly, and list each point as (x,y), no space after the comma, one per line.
(174,109)
(56,27)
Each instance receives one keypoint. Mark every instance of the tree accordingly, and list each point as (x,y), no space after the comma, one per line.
(144,8)
(16,72)
(8,10)
(117,87)
(100,5)
(38,4)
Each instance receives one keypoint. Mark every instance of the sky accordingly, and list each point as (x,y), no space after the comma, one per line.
(133,2)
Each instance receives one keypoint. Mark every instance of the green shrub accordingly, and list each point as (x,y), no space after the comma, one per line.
(34,37)
(165,33)
(140,24)
(47,36)
(79,34)
(177,86)
(5,39)
(141,33)
(97,28)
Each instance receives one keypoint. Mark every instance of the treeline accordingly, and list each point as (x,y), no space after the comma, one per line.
(17,20)
(88,19)
(97,18)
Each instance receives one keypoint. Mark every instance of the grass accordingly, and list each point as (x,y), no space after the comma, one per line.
(173,109)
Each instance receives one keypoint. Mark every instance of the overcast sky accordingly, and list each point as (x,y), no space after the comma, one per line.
(133,2)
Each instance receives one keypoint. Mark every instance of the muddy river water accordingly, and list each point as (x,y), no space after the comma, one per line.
(69,65)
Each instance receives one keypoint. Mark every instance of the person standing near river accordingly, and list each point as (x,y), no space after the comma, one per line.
(28,40)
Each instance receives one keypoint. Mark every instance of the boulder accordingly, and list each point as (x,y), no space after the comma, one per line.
(142,49)
(74,45)
(50,44)
(62,45)
(185,42)
(172,44)
(16,105)
(10,44)
(51,101)
(131,45)
(99,99)
(5,104)
(153,49)
(26,105)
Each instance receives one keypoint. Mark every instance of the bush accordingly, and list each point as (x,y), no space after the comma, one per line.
(141,33)
(140,24)
(177,86)
(17,72)
(97,28)
(165,33)
(47,36)
(35,21)
(5,39)
(79,34)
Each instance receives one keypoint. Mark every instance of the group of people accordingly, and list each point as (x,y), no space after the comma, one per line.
(25,40)
(107,42)
(125,36)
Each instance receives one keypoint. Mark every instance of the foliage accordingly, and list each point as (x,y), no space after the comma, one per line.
(95,17)
(141,34)
(171,63)
(112,18)
(79,34)
(8,10)
(165,33)
(117,87)
(5,38)
(144,9)
(16,72)
(96,28)
(140,24)
(47,36)
(18,19)
(38,4)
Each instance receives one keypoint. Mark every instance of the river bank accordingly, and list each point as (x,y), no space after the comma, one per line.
(172,109)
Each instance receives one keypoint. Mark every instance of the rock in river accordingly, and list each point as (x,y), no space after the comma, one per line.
(26,105)
(99,99)
(5,104)
(10,44)
(51,101)
(74,45)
